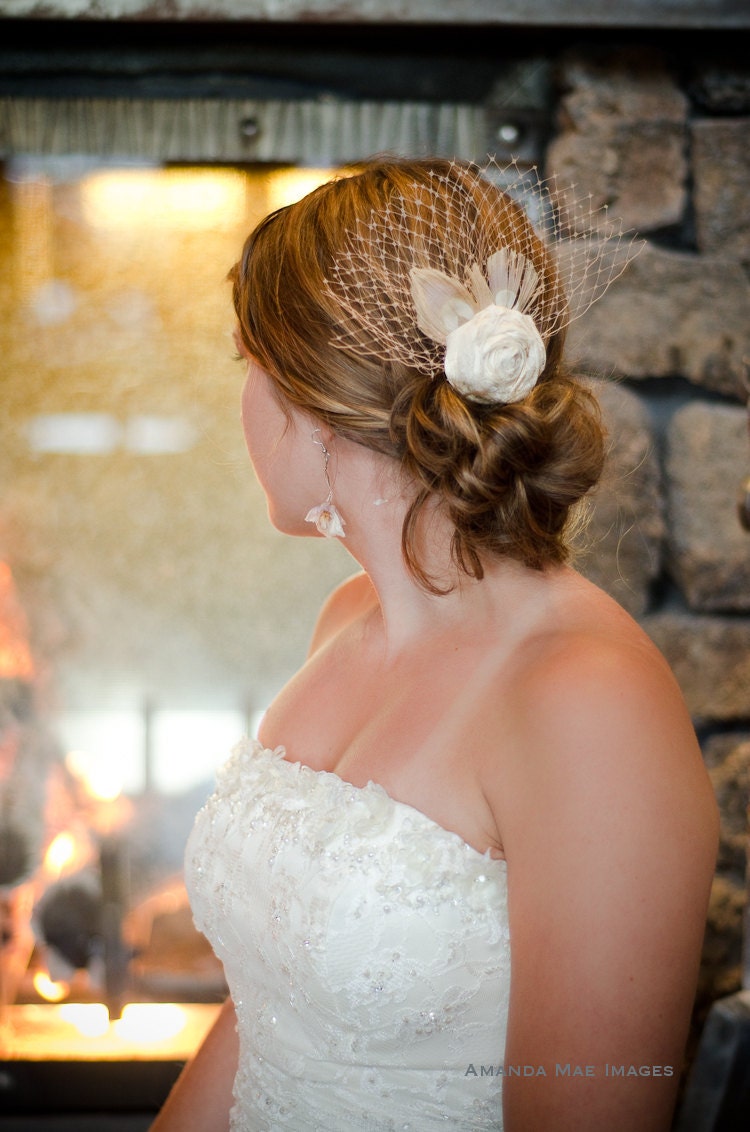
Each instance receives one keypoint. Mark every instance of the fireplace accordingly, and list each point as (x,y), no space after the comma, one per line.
(141,557)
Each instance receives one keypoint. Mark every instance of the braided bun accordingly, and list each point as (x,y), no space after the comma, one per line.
(509,476)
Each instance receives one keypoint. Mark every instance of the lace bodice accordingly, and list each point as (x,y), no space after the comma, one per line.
(365,947)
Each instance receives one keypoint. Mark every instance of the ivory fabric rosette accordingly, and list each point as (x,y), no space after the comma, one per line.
(496,356)
(494,352)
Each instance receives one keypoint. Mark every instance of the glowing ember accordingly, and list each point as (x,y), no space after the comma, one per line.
(49,990)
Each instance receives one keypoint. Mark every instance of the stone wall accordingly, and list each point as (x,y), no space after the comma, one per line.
(670,153)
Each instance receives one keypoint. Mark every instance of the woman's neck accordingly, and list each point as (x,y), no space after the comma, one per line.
(375,504)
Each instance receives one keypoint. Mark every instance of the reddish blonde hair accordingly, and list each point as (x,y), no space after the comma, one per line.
(507,475)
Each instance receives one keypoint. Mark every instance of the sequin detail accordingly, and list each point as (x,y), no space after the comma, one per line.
(366,949)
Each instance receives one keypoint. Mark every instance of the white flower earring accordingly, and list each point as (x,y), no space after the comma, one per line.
(326,516)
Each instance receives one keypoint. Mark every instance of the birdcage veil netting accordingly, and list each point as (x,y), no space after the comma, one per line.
(502,234)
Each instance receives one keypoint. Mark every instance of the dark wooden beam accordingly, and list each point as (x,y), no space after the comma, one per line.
(504,13)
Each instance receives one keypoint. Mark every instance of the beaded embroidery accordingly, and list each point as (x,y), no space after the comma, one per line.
(365,947)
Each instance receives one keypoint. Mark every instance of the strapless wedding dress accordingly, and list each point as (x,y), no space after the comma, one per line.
(365,947)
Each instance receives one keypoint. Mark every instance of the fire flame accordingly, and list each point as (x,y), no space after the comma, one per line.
(142,1023)
(101,780)
(150,1022)
(90,1018)
(61,852)
(15,655)
(107,808)
(68,851)
(49,990)
(82,1031)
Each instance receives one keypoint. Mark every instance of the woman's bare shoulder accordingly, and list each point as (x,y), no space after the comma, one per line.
(587,644)
(589,695)
(595,714)
(350,600)
(600,675)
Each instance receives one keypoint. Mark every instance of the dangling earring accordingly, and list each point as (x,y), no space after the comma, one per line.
(326,516)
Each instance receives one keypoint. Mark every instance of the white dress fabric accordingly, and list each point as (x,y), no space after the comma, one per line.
(366,950)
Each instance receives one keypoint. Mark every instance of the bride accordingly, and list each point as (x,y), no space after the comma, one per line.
(460,880)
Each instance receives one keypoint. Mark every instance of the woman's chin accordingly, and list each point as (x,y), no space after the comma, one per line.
(292,525)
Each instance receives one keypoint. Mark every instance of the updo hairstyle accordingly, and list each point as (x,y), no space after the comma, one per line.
(507,475)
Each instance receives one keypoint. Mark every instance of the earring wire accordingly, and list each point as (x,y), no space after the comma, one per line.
(326,459)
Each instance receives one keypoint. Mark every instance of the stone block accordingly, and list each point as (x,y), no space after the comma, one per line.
(721,961)
(631,83)
(670,314)
(727,757)
(710,657)
(622,137)
(637,169)
(721,179)
(708,454)
(728,761)
(721,86)
(621,545)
